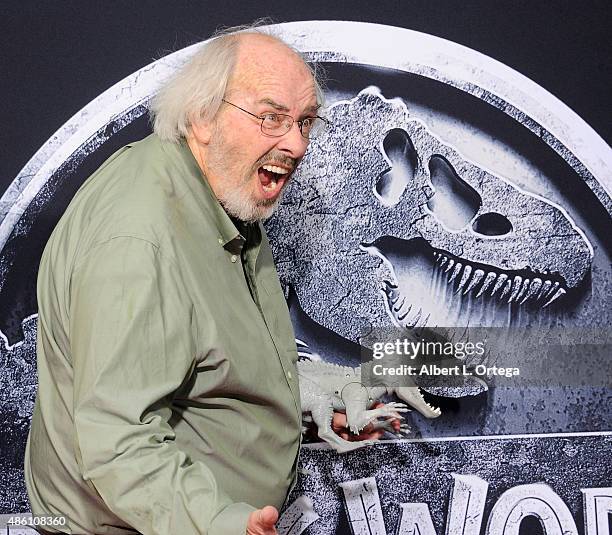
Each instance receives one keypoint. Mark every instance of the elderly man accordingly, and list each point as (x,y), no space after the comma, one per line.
(168,400)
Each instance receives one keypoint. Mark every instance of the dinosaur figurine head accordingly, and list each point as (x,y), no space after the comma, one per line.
(377,181)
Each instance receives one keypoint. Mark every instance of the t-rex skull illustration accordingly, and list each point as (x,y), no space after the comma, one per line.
(375,176)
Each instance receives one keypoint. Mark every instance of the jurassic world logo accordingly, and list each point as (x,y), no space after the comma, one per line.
(466,511)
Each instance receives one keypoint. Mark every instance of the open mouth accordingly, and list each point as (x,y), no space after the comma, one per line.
(272,178)
(468,280)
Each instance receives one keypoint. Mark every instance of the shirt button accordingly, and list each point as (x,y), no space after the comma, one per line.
(289,375)
(220,240)
(234,258)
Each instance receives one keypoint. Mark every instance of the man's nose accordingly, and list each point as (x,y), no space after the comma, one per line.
(293,143)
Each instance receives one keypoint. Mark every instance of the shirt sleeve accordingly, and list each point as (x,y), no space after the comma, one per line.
(133,345)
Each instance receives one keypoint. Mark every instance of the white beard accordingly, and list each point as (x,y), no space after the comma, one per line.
(238,204)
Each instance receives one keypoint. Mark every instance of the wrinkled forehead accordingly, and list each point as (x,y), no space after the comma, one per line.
(263,63)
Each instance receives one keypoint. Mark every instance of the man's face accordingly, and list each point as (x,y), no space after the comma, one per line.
(247,169)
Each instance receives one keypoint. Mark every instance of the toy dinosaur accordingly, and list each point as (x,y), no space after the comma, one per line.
(325,387)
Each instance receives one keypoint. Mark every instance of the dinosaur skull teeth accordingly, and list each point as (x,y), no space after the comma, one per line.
(509,288)
(560,292)
(517,284)
(491,276)
(465,276)
(391,292)
(533,289)
(404,314)
(478,275)
(501,279)
(412,321)
(399,306)
(456,270)
(545,289)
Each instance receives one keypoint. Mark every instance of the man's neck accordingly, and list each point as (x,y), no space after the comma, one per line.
(197,150)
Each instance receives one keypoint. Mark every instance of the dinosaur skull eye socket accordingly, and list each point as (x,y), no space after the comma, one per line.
(492,224)
(455,202)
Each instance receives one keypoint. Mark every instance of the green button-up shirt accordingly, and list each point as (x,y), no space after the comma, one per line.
(168,400)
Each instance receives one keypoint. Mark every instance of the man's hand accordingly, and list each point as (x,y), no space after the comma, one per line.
(262,521)
(367,433)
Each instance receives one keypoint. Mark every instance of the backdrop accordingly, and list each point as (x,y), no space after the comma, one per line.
(465,182)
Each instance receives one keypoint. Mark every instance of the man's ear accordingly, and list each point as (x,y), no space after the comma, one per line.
(202,130)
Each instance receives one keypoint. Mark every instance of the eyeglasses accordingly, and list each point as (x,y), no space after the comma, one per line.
(278,124)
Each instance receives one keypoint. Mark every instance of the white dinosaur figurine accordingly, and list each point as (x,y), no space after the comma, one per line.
(325,387)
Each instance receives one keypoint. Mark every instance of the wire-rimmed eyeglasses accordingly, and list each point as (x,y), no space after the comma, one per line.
(278,124)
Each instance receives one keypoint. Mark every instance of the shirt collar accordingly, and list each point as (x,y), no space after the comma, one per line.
(232,232)
(225,226)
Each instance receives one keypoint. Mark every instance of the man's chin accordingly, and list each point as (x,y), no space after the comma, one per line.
(250,211)
(265,210)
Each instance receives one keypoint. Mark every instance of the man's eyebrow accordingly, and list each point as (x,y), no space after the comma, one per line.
(281,107)
(313,109)
(275,105)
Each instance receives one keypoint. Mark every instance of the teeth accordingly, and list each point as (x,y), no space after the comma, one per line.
(401,311)
(500,281)
(416,319)
(478,275)
(400,308)
(271,186)
(425,320)
(544,290)
(410,323)
(392,292)
(506,289)
(533,289)
(275,169)
(516,287)
(552,290)
(401,317)
(467,271)
(390,289)
(523,289)
(393,297)
(491,276)
(558,294)
(456,271)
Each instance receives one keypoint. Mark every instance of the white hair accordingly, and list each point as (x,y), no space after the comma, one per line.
(199,86)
